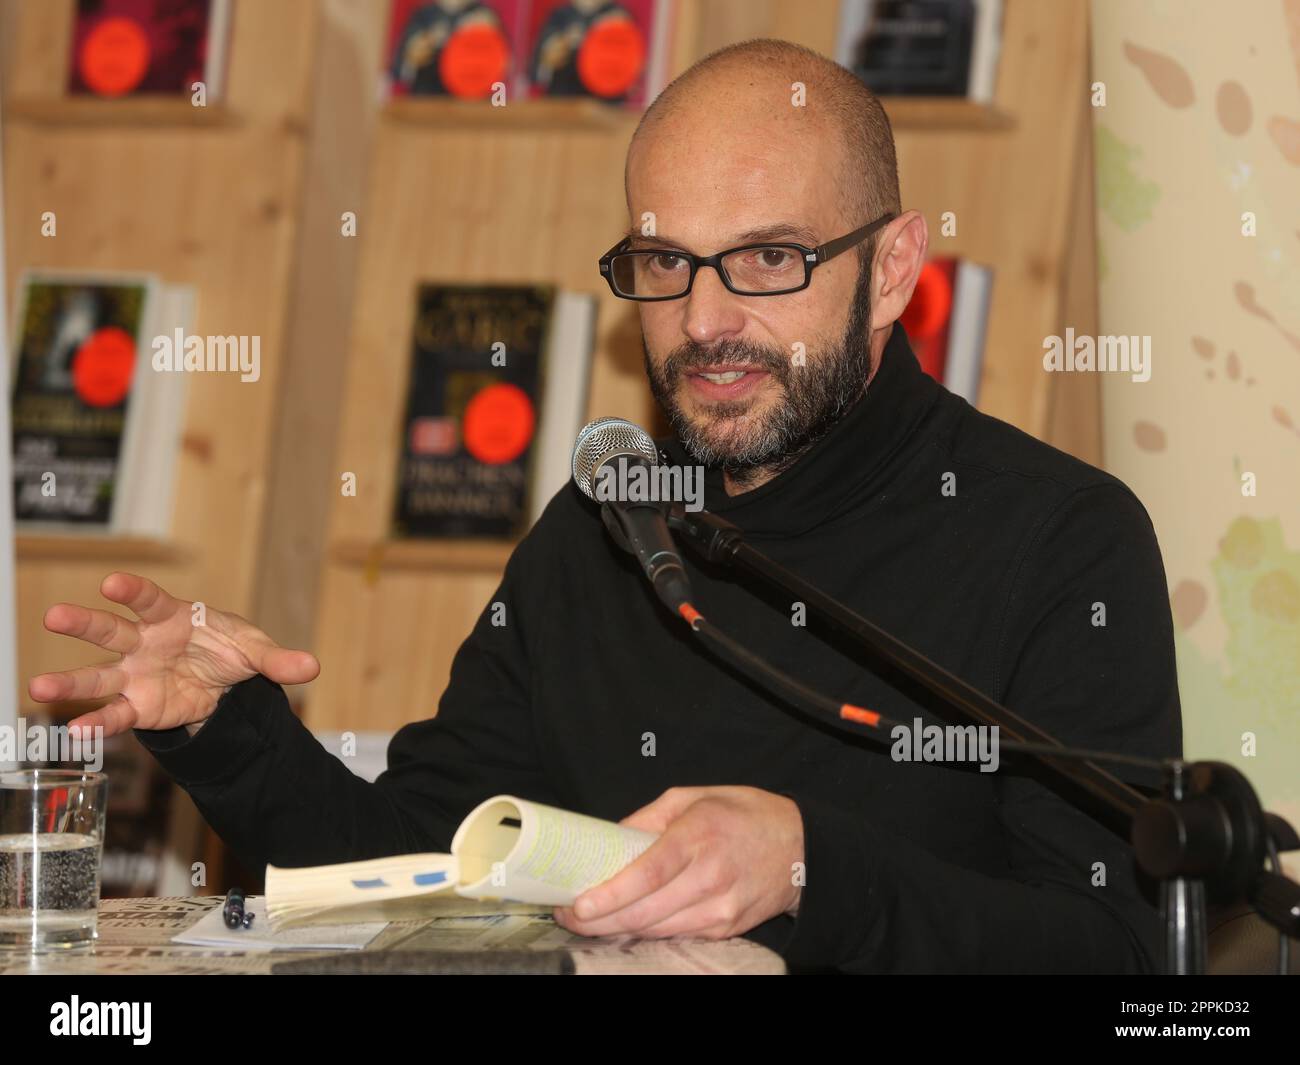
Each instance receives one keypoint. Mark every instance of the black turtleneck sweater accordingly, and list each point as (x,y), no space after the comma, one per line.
(909,867)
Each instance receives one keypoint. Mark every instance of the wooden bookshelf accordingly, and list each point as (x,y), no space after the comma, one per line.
(105,550)
(1016,172)
(111,114)
(207,197)
(529,192)
(454,556)
(438,113)
(906,113)
(242,199)
(911,114)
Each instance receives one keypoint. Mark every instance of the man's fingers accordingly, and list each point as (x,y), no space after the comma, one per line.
(655,869)
(683,893)
(140,595)
(115,717)
(703,919)
(100,627)
(86,682)
(280,664)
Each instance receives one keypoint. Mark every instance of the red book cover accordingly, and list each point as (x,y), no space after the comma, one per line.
(453,47)
(928,317)
(594,48)
(139,47)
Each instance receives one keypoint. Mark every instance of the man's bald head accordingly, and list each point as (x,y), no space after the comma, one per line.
(764,144)
(750,81)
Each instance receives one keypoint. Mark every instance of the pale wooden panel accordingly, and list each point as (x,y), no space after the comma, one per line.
(389,663)
(719,23)
(1011,190)
(812,23)
(38,56)
(301,467)
(211,205)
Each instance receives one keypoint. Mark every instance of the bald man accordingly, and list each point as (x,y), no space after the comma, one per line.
(769,261)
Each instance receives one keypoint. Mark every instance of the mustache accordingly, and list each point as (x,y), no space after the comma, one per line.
(690,357)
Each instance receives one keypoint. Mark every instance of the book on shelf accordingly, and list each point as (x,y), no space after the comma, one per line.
(96,431)
(506,848)
(616,51)
(497,391)
(149,47)
(922,47)
(946,321)
(457,49)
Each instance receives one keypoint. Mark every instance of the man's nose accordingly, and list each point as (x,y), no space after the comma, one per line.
(712,312)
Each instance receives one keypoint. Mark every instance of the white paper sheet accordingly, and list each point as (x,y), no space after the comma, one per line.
(211,931)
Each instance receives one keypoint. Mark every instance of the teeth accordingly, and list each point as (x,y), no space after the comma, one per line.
(724,378)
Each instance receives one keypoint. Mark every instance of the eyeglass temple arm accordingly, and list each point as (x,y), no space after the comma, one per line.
(620,246)
(833,248)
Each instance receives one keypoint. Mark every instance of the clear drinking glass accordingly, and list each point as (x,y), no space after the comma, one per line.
(51,843)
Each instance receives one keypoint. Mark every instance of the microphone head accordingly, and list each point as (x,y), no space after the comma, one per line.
(607,438)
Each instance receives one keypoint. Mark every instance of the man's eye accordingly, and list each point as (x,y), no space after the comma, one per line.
(666,261)
(774,258)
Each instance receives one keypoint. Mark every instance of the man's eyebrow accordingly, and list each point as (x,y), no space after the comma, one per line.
(777,231)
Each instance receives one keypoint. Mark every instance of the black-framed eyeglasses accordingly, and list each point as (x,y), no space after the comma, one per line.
(769,269)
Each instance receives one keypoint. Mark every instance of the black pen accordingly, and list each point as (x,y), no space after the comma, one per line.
(233,910)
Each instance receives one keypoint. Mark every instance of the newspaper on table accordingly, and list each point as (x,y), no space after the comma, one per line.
(136,936)
(606,955)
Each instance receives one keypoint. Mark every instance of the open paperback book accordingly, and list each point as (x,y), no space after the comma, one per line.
(506,848)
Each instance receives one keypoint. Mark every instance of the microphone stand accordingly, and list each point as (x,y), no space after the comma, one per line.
(1205,838)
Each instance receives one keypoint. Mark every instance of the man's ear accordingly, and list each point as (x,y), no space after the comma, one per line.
(900,254)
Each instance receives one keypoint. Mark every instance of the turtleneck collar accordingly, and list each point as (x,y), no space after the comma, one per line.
(842,467)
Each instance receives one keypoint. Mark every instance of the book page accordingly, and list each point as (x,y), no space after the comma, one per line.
(375,889)
(511,848)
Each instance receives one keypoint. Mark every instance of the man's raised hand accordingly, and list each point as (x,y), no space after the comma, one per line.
(173,669)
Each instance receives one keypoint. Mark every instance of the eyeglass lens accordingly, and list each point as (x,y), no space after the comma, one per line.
(753,271)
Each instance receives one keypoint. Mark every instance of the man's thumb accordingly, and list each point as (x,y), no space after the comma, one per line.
(283,665)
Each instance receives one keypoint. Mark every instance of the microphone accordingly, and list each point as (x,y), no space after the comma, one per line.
(638,527)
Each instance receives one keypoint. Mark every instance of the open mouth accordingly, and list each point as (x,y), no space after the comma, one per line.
(725,382)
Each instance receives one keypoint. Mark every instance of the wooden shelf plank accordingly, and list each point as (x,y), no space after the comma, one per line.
(527,114)
(944,113)
(145,111)
(473,556)
(905,113)
(68,547)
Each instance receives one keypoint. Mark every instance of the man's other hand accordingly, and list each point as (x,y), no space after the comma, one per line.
(725,861)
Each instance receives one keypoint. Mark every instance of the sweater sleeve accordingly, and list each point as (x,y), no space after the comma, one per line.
(1086,652)
(274,794)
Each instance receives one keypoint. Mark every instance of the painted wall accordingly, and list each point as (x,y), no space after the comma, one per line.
(1200,127)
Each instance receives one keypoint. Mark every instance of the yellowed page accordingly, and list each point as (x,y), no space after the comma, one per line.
(510,848)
